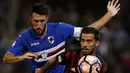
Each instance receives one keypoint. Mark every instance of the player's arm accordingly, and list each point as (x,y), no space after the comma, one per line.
(10,58)
(112,9)
(15,53)
(51,63)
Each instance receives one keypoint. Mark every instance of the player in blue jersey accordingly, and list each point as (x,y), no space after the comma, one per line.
(46,40)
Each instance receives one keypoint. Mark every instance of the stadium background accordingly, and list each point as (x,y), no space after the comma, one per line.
(115,36)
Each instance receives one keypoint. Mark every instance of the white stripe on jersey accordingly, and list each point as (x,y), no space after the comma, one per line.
(51,49)
(77,31)
(50,57)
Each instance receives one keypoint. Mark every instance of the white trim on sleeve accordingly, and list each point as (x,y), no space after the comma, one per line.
(77,31)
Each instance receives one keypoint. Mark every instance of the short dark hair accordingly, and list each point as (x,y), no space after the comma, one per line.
(90,30)
(40,8)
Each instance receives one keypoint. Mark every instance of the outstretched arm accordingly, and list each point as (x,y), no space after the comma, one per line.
(112,9)
(10,58)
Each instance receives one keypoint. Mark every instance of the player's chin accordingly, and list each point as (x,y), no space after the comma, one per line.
(39,32)
(85,52)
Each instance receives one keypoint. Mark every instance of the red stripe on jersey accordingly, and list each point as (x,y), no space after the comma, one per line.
(72,59)
(104,69)
(67,56)
(54,52)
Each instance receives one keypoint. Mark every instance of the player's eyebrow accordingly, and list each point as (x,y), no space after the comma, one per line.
(41,20)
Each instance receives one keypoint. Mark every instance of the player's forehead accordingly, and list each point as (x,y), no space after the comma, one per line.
(86,36)
(38,16)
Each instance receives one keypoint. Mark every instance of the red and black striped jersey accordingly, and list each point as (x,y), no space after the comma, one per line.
(70,59)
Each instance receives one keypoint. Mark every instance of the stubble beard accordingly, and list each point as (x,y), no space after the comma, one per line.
(87,52)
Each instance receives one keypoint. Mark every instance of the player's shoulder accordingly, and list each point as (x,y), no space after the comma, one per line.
(58,24)
(25,33)
(102,60)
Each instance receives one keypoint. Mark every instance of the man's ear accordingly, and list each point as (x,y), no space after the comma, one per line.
(97,43)
(30,18)
(47,17)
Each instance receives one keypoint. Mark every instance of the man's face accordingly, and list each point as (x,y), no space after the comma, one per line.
(38,22)
(88,43)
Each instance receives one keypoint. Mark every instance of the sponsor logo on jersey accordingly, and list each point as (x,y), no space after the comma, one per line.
(34,44)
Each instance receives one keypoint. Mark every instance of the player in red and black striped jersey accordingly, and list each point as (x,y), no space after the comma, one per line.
(89,40)
(70,59)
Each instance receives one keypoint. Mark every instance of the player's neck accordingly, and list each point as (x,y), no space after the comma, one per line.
(94,53)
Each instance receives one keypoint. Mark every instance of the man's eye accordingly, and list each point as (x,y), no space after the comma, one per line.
(42,20)
(36,20)
(82,40)
(89,40)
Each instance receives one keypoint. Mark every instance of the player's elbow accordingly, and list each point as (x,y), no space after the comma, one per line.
(5,61)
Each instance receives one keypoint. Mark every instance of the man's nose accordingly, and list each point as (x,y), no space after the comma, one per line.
(39,22)
(85,43)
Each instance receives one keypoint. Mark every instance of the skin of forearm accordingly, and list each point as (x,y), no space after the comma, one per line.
(10,58)
(101,22)
(49,65)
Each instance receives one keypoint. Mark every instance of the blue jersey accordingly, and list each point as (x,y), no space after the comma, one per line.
(52,44)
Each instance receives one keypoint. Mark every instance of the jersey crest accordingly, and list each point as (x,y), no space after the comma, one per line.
(44,55)
(51,39)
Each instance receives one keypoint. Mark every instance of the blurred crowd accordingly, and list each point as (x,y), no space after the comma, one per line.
(115,36)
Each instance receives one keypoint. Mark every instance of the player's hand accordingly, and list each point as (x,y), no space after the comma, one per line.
(113,7)
(28,56)
(38,70)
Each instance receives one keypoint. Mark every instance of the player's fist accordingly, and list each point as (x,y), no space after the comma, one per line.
(113,7)
(38,70)
(28,56)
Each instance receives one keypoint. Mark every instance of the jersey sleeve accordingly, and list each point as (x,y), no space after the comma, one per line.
(17,47)
(68,30)
(77,31)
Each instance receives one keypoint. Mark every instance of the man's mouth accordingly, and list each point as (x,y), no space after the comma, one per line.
(38,30)
(85,49)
